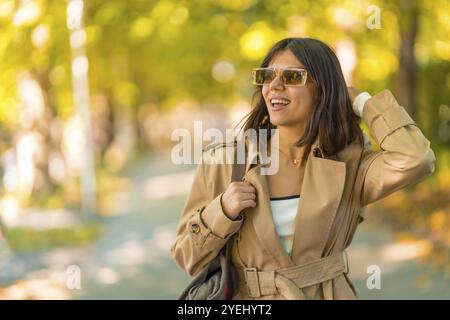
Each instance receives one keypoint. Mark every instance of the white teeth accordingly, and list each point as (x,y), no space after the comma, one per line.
(279,101)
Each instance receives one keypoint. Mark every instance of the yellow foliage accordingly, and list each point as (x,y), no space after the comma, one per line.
(257,41)
(442,49)
(377,63)
(142,27)
(236,5)
(438,220)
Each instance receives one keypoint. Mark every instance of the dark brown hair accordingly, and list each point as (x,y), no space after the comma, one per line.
(332,116)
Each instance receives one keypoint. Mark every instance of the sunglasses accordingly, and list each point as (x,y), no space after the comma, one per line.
(290,76)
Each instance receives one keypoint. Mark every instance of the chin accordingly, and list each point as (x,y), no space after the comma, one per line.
(283,122)
(279,122)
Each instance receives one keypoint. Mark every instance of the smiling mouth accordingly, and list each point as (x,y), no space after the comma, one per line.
(279,103)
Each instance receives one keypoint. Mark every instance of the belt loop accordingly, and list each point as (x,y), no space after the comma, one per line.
(344,257)
(251,276)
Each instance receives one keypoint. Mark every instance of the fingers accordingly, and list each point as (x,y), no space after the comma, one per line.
(248,203)
(238,196)
(247,196)
(243,186)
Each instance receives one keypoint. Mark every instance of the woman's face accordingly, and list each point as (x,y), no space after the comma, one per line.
(300,98)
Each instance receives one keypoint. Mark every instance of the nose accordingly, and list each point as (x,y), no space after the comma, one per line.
(277,83)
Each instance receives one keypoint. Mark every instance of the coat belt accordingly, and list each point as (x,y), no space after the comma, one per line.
(289,281)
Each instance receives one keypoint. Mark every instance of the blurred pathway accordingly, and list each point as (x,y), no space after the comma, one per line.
(132,259)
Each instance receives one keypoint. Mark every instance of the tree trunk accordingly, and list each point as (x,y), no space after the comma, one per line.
(80,84)
(406,76)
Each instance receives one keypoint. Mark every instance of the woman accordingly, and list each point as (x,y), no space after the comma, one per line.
(296,224)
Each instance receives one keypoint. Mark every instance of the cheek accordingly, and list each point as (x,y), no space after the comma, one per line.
(265,92)
(304,102)
(306,98)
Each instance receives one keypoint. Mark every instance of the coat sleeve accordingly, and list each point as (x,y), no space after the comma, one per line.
(204,228)
(405,157)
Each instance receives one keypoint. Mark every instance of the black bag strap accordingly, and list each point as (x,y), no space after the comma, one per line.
(223,258)
(238,169)
(237,173)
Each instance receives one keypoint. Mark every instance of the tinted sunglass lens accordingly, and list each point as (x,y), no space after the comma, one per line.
(263,76)
(290,77)
(293,76)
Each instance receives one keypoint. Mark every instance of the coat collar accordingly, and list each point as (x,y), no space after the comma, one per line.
(321,191)
(252,157)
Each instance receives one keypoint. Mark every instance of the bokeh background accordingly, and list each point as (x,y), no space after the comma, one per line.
(91,91)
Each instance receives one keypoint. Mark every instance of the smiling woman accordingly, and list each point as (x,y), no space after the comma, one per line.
(318,105)
(293,226)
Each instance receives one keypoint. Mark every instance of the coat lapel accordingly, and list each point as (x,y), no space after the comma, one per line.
(321,193)
(261,217)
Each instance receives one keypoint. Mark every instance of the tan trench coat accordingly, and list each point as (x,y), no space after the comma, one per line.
(328,211)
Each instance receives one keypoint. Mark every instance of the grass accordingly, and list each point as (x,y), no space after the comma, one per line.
(25,240)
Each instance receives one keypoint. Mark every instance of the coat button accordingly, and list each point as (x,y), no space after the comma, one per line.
(195,228)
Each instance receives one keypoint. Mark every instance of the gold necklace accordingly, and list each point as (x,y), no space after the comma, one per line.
(295,161)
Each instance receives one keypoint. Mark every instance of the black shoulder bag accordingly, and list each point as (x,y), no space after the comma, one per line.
(219,279)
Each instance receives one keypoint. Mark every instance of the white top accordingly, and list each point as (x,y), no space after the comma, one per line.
(284,211)
(359,102)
